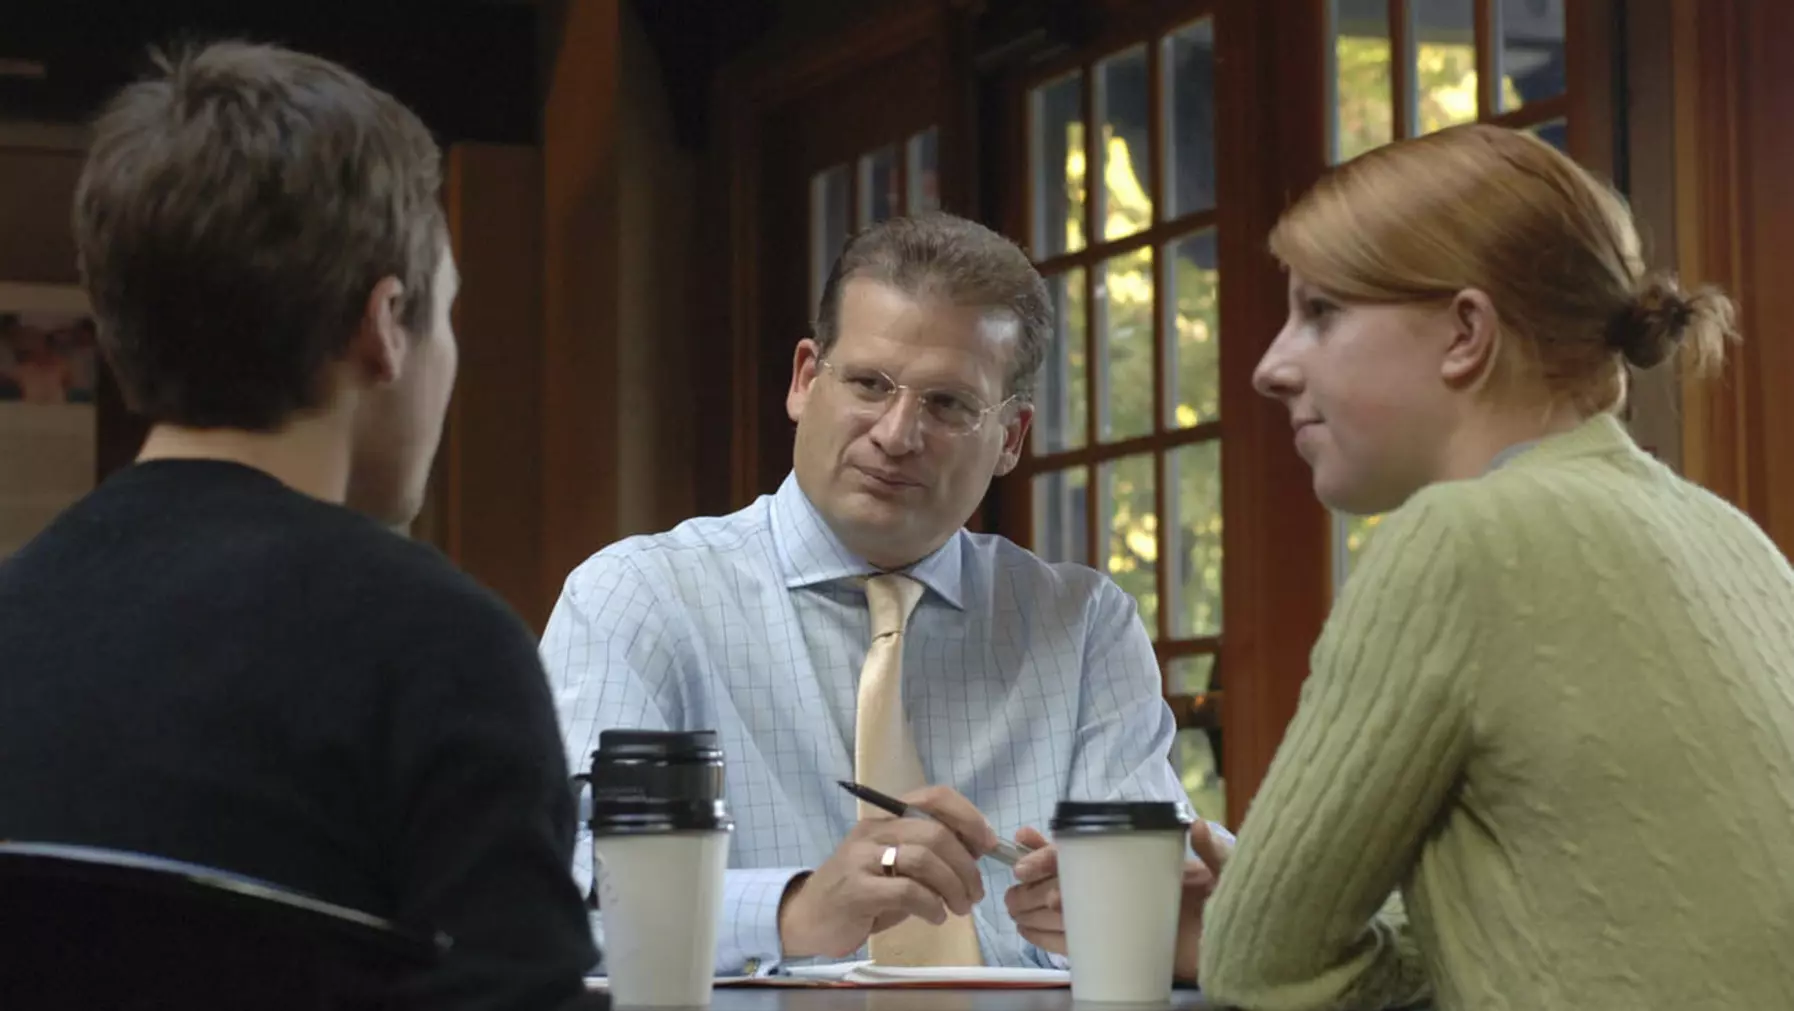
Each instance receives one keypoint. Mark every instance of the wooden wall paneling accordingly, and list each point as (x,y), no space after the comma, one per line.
(580,277)
(742,137)
(1734,227)
(657,291)
(1591,48)
(38,172)
(1648,174)
(490,502)
(1275,585)
(957,112)
(715,373)
(1765,218)
(782,298)
(1704,154)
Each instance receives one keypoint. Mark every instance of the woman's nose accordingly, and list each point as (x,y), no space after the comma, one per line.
(1277,376)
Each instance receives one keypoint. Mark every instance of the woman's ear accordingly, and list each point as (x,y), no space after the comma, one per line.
(1475,339)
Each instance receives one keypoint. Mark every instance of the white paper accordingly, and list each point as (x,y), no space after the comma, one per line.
(871,973)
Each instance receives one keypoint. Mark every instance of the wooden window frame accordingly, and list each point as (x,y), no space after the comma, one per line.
(1277,540)
(1274,587)
(855,165)
(1147,33)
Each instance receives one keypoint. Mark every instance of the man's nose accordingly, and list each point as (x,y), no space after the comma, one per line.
(899,429)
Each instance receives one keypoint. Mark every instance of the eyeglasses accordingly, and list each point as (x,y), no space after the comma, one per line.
(947,411)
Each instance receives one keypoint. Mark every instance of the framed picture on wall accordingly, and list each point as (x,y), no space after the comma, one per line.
(49,375)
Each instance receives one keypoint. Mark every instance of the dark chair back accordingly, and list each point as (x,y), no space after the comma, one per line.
(109,931)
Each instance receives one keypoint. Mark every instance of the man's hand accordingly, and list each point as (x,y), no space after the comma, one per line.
(1034,901)
(832,911)
(1200,878)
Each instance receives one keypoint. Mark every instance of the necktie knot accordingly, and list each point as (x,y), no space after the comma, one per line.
(891,598)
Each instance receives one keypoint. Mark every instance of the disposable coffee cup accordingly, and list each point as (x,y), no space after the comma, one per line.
(660,843)
(1120,877)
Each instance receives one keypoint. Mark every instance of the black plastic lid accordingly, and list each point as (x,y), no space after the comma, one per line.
(671,746)
(1095,816)
(657,781)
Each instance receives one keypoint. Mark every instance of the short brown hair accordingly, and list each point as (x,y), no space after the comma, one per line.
(235,211)
(935,254)
(1555,249)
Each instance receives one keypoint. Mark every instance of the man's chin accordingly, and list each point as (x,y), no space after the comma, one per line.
(866,519)
(875,512)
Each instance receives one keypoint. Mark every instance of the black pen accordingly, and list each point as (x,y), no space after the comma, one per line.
(1007,853)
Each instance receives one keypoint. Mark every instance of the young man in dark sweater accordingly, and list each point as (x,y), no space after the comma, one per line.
(224,655)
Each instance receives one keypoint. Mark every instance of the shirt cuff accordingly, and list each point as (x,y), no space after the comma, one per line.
(747,939)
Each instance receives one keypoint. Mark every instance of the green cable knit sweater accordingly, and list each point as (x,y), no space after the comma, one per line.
(1554,707)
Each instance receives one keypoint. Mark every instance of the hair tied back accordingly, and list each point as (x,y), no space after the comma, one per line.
(1662,318)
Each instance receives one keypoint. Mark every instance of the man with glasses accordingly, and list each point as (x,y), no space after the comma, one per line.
(847,627)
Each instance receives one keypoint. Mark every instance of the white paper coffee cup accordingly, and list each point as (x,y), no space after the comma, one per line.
(660,846)
(1120,877)
(661,895)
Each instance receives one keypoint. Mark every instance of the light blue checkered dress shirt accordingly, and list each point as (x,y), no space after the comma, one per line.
(1025,682)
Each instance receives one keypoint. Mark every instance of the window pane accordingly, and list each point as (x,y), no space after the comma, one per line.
(1192,332)
(1061,515)
(1188,61)
(878,186)
(1190,675)
(1363,99)
(1195,758)
(1555,133)
(1121,108)
(1124,339)
(1063,395)
(828,225)
(1131,519)
(1056,164)
(1444,63)
(1531,53)
(923,171)
(1193,495)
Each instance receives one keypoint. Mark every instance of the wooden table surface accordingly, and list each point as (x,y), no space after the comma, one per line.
(731,998)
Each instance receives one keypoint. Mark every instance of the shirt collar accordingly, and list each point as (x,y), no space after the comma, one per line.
(1601,434)
(811,554)
(1502,458)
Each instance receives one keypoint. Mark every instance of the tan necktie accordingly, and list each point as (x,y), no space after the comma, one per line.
(884,758)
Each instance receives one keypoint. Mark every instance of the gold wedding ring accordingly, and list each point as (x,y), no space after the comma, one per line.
(889,861)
